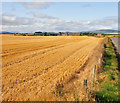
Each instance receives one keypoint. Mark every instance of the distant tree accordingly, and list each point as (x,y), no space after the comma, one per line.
(45,34)
(38,32)
(24,34)
(81,34)
(67,33)
(60,33)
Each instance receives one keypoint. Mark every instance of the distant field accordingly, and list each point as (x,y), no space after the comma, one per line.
(113,33)
(32,67)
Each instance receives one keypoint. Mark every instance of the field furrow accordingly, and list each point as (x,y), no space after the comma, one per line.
(35,71)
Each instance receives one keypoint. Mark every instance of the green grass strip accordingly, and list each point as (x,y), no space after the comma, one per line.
(109,86)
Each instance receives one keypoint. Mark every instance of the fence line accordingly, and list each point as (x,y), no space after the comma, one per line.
(90,92)
(93,75)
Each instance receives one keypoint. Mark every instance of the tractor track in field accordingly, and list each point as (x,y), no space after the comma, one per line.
(46,69)
(35,72)
(32,53)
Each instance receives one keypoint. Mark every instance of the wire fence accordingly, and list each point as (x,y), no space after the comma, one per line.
(89,84)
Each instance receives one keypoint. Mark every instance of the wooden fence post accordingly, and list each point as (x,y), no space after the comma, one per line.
(99,61)
(93,76)
(101,55)
(85,84)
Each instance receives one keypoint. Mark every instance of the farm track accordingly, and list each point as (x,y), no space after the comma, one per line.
(32,71)
(116,42)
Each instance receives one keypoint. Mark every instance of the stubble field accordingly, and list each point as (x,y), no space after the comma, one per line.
(32,67)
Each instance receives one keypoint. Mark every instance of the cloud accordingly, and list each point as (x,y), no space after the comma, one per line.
(100,27)
(14,0)
(60,22)
(8,19)
(107,21)
(87,5)
(66,25)
(40,15)
(21,24)
(37,5)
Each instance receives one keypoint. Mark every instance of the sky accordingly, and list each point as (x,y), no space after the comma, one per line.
(58,16)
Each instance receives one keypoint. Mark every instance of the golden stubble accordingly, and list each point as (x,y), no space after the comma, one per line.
(33,67)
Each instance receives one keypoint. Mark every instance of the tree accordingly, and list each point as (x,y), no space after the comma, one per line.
(24,34)
(45,34)
(60,33)
(67,33)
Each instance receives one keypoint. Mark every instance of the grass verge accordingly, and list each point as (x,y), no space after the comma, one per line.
(108,86)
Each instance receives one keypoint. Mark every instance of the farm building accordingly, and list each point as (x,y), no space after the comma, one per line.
(99,34)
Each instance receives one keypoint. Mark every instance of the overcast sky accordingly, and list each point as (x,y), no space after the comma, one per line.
(59,16)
